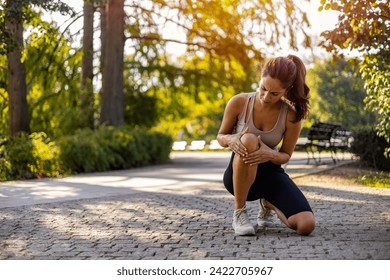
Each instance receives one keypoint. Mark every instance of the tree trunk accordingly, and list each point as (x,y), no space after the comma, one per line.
(112,107)
(17,90)
(86,96)
(103,25)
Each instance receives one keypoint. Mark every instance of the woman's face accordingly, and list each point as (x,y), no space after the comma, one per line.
(271,90)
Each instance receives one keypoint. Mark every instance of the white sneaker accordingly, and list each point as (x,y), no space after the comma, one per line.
(241,223)
(265,215)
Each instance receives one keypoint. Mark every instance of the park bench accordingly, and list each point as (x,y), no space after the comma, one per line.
(326,137)
(179,145)
(197,145)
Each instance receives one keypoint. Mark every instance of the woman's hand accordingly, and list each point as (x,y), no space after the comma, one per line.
(263,154)
(235,144)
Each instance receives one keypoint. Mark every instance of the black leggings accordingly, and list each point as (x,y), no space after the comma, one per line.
(273,184)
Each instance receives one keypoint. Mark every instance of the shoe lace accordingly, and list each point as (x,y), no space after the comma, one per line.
(241,215)
(264,213)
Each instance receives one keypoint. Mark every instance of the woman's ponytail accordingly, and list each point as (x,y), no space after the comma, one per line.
(298,93)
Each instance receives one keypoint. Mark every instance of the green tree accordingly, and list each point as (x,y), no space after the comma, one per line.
(199,93)
(220,37)
(16,86)
(337,94)
(12,16)
(53,78)
(364,26)
(220,60)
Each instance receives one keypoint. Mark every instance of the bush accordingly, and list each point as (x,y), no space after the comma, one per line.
(371,149)
(4,164)
(109,148)
(29,156)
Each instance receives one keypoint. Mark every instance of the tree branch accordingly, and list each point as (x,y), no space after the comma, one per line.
(156,38)
(167,19)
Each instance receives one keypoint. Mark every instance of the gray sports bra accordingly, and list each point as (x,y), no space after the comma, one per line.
(271,137)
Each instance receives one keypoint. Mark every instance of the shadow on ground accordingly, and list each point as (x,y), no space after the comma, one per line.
(194,223)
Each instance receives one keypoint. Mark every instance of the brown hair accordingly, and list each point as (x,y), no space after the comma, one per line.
(291,72)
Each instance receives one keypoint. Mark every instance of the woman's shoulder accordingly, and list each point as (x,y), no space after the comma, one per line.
(237,103)
(288,105)
(291,111)
(240,97)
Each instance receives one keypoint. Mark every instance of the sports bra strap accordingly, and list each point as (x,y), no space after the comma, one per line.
(243,114)
(252,103)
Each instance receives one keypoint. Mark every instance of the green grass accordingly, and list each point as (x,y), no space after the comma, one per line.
(377,179)
(362,174)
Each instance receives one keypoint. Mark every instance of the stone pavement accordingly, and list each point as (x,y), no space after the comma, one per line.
(181,211)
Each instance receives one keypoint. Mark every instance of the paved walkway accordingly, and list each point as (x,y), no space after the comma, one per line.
(181,211)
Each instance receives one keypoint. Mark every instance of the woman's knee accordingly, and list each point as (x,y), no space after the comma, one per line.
(250,141)
(306,227)
(304,223)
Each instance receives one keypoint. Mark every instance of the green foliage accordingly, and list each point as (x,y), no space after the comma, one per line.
(110,148)
(220,58)
(378,96)
(370,148)
(376,179)
(181,94)
(11,9)
(337,94)
(219,48)
(228,29)
(141,110)
(3,97)
(190,99)
(107,148)
(53,78)
(45,152)
(364,26)
(29,156)
(185,97)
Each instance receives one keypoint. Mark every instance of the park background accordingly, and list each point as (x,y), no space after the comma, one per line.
(111,84)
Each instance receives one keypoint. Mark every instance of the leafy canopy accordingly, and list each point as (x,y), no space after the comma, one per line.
(337,94)
(364,26)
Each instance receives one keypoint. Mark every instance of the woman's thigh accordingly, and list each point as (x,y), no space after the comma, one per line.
(273,184)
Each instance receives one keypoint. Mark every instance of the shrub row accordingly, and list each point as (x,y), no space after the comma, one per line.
(371,149)
(107,148)
(29,156)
